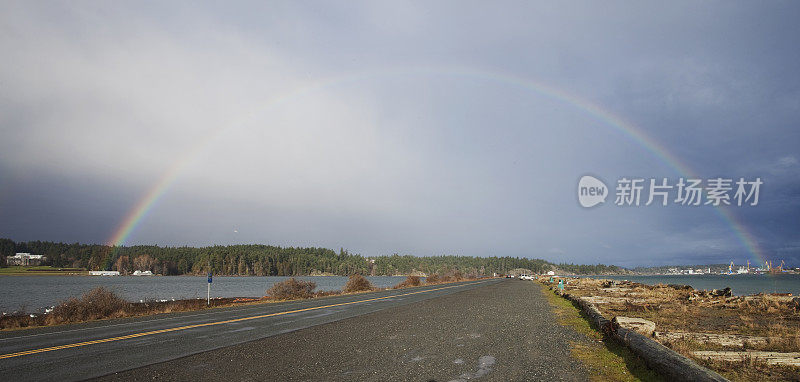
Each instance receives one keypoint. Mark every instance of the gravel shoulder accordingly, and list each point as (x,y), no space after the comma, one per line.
(504,331)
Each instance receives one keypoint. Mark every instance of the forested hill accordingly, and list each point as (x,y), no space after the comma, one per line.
(589,269)
(267,260)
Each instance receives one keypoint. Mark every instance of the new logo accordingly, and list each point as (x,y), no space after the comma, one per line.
(591,191)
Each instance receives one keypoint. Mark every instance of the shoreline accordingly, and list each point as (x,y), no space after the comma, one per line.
(741,337)
(24,320)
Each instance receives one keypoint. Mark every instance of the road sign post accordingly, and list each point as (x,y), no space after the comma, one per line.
(208,299)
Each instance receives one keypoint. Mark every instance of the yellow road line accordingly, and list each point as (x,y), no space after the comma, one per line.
(142,334)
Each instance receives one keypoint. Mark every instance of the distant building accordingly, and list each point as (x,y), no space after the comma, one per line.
(142,273)
(104,273)
(25,259)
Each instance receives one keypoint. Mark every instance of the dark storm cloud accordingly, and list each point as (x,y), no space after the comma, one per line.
(101,103)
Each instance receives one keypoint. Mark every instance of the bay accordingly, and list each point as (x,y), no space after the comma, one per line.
(34,293)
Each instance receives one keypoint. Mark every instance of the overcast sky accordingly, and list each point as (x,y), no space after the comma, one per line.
(400,127)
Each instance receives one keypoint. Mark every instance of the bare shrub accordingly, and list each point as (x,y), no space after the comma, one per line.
(357,283)
(292,289)
(18,319)
(95,304)
(449,276)
(410,281)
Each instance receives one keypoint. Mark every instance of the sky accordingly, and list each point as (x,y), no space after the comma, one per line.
(421,128)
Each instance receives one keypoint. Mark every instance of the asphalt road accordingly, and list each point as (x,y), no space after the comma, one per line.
(78,352)
(502,330)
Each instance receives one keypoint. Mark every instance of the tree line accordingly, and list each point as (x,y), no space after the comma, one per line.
(268,260)
(590,269)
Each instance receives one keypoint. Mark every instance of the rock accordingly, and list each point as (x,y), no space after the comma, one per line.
(722,292)
(638,325)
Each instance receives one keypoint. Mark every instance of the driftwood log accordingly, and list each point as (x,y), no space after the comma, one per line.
(638,325)
(770,357)
(728,340)
(658,357)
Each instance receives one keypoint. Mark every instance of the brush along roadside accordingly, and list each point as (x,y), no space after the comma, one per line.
(101,303)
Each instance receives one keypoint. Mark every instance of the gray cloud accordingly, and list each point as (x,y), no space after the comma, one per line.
(383,127)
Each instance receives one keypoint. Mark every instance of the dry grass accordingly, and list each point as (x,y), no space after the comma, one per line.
(357,283)
(292,289)
(676,308)
(449,277)
(751,369)
(682,309)
(454,275)
(19,320)
(327,293)
(410,281)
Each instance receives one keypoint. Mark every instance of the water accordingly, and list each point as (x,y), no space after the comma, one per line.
(740,285)
(36,292)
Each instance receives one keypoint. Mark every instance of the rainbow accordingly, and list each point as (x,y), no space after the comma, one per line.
(137,214)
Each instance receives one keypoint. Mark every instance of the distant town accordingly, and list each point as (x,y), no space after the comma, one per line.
(721,269)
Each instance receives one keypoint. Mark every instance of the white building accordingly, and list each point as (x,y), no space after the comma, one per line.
(104,273)
(25,259)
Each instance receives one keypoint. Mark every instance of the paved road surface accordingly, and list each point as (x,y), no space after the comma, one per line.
(83,351)
(501,331)
(491,330)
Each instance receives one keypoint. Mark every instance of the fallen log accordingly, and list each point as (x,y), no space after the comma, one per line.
(729,340)
(772,358)
(612,300)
